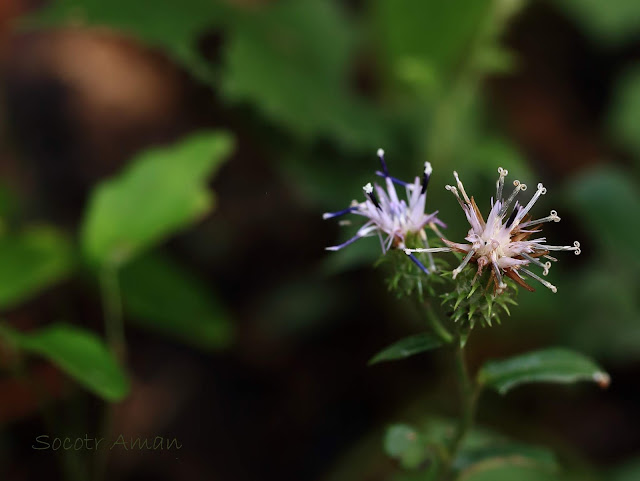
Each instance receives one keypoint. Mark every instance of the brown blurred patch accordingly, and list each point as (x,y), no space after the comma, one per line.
(545,102)
(115,86)
(20,398)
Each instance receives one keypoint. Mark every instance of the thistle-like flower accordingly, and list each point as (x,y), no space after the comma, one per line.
(503,242)
(391,218)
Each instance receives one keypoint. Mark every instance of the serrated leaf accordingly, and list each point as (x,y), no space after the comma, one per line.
(162,191)
(31,261)
(549,365)
(407,347)
(79,353)
(160,295)
(404,443)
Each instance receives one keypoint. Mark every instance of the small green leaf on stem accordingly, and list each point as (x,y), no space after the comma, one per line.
(404,443)
(507,469)
(79,353)
(31,261)
(407,347)
(160,192)
(548,365)
(161,295)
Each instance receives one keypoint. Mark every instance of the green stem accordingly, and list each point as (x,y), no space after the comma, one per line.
(112,306)
(436,325)
(114,332)
(469,392)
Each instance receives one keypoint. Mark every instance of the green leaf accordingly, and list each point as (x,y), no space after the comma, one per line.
(507,469)
(603,199)
(609,22)
(31,261)
(162,191)
(549,365)
(407,347)
(160,295)
(172,25)
(539,456)
(629,471)
(291,60)
(435,33)
(481,444)
(624,116)
(79,353)
(405,444)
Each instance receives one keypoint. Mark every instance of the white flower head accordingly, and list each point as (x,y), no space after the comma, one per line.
(390,218)
(503,242)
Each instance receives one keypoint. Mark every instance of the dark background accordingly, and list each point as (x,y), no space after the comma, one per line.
(310,90)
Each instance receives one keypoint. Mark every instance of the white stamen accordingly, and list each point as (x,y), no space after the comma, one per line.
(464,262)
(518,187)
(546,284)
(461,187)
(575,248)
(500,183)
(541,191)
(546,265)
(496,270)
(454,191)
(431,249)
(427,168)
(368,188)
(380,153)
(344,222)
(552,217)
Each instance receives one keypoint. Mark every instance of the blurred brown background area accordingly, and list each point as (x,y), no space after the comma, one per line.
(284,402)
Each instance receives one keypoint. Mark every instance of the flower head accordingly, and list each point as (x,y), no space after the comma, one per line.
(391,218)
(503,242)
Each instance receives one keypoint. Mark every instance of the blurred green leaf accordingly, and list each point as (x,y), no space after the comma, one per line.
(291,61)
(603,199)
(405,444)
(407,347)
(31,261)
(434,33)
(548,365)
(79,353)
(629,471)
(172,25)
(538,456)
(609,22)
(624,115)
(162,191)
(507,469)
(162,296)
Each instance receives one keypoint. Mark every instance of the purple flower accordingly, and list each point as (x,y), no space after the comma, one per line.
(503,242)
(390,218)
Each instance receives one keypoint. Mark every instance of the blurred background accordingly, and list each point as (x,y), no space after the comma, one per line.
(254,351)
